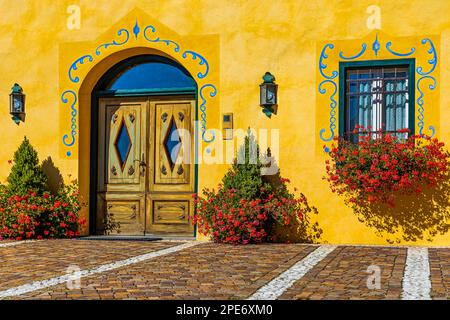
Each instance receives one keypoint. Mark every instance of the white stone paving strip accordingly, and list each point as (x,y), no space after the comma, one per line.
(284,281)
(38,285)
(416,279)
(15,243)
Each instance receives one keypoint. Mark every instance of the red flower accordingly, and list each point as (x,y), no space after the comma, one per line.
(382,166)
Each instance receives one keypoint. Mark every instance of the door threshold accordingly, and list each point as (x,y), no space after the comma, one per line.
(150,237)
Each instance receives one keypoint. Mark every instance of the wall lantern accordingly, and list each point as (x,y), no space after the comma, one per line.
(268,94)
(17,104)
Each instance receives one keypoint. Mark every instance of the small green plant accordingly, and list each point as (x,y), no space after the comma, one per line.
(26,173)
(245,176)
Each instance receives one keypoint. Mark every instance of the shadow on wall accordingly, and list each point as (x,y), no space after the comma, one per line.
(55,180)
(298,231)
(415,217)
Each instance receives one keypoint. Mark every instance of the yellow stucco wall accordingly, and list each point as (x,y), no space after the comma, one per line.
(240,40)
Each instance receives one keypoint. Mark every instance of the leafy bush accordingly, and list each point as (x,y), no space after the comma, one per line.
(245,174)
(26,173)
(34,216)
(247,207)
(28,210)
(381,167)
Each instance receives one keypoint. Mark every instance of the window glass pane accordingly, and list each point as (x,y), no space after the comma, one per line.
(390,112)
(352,113)
(377,98)
(353,76)
(151,75)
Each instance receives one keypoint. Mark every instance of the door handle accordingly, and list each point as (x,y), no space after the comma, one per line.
(142,165)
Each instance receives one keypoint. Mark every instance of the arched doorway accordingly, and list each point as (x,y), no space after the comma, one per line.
(142,148)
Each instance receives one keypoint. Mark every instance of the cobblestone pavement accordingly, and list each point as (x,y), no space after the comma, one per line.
(344,273)
(440,273)
(40,260)
(212,271)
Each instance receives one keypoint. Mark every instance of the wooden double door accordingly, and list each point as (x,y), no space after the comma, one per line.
(146,169)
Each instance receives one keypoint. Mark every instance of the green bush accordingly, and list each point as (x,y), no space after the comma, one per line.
(245,174)
(26,173)
(249,207)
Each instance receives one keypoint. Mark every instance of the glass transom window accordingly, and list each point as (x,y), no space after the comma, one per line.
(377,98)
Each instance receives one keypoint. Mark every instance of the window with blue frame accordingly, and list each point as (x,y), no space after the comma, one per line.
(378,98)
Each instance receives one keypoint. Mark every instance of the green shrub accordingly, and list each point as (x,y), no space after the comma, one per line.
(26,173)
(245,174)
(249,207)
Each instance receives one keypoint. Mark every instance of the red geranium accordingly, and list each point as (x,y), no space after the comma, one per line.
(34,216)
(381,166)
(230,219)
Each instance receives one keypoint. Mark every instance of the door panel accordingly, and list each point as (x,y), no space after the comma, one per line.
(128,213)
(122,179)
(170,214)
(167,212)
(124,150)
(173,146)
(169,202)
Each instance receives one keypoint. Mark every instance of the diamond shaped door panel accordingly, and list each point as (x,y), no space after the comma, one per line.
(123,145)
(173,143)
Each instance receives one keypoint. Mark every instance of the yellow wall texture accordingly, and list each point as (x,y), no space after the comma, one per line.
(241,41)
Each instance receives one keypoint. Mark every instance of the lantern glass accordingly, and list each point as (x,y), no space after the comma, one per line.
(17,103)
(268,94)
(271,93)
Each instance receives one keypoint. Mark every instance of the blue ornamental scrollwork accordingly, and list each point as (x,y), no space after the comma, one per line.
(388,48)
(70,96)
(74,67)
(333,105)
(322,65)
(329,80)
(157,39)
(356,56)
(212,94)
(114,42)
(203,61)
(426,75)
(420,103)
(69,140)
(433,61)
